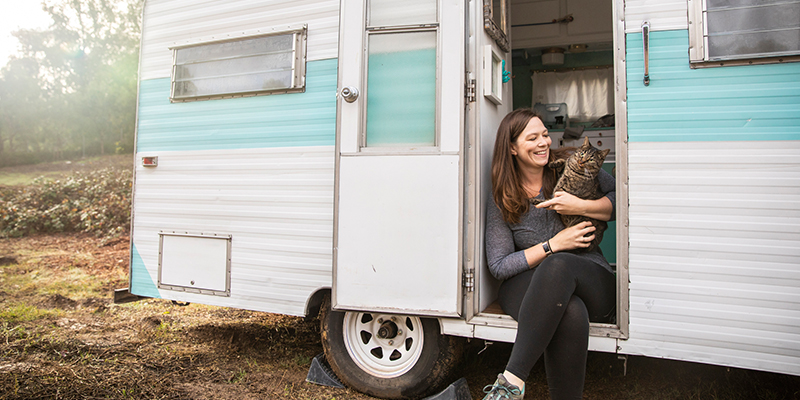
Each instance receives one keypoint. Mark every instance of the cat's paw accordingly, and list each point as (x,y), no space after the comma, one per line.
(557,164)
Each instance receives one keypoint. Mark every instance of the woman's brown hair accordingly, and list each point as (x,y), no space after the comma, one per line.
(509,195)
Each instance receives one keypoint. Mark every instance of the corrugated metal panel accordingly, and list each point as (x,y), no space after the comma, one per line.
(172,22)
(715,252)
(753,102)
(663,15)
(276,203)
(295,119)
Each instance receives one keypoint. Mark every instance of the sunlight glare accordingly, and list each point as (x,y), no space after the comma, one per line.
(25,14)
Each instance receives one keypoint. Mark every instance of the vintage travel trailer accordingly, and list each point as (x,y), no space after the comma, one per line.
(298,155)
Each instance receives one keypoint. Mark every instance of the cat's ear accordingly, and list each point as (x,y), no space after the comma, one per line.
(604,153)
(586,143)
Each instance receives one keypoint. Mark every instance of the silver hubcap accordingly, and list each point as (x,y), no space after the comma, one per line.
(383,345)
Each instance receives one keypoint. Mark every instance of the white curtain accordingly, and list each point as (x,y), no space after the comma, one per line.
(588,93)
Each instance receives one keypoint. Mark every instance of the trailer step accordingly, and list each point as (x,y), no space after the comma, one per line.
(122,296)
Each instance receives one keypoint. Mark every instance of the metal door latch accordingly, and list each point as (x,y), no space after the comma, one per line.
(349,94)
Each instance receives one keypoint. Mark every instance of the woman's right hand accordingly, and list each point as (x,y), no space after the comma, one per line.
(574,237)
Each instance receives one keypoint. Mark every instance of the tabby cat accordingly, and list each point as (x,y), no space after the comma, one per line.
(579,177)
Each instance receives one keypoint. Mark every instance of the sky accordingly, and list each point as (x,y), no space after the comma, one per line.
(16,14)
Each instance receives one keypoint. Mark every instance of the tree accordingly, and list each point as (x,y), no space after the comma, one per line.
(72,87)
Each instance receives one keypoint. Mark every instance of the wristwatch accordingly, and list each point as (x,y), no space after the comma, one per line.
(546,247)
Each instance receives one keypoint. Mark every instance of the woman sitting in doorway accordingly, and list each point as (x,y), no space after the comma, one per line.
(551,293)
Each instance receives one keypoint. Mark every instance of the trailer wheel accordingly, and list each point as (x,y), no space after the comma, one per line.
(388,356)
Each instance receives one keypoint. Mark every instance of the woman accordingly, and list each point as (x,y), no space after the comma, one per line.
(552,293)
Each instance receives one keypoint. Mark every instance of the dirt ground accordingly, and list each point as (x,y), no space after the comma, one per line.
(62,338)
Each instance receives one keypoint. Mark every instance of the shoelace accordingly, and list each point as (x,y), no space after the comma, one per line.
(495,388)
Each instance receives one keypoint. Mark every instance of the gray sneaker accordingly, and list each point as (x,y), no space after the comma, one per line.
(502,390)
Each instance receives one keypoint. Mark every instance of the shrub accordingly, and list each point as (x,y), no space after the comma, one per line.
(97,202)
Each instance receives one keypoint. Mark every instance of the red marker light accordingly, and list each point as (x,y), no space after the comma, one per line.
(150,161)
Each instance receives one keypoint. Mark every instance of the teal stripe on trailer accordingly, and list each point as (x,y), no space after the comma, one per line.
(751,102)
(141,282)
(280,120)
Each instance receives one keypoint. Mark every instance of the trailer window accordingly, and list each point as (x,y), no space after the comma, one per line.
(254,65)
(729,32)
(401,74)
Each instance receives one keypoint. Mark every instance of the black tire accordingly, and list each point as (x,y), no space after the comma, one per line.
(425,375)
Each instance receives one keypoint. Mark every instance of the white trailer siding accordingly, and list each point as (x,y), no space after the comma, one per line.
(663,15)
(714,253)
(276,203)
(260,169)
(168,23)
(714,209)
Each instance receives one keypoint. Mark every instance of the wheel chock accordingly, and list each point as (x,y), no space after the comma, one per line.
(322,374)
(457,390)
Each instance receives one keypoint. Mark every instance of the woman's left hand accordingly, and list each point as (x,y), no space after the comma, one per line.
(564,203)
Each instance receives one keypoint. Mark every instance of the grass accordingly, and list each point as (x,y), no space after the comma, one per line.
(21,178)
(25,174)
(31,278)
(24,313)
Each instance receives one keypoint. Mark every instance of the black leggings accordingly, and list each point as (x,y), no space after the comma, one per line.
(553,304)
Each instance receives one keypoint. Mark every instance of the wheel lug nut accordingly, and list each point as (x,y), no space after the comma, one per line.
(391,342)
(394,318)
(380,320)
(399,331)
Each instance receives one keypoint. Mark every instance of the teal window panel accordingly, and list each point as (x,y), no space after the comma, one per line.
(751,102)
(401,90)
(279,120)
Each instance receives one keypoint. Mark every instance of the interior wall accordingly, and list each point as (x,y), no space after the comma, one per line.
(592,25)
(592,22)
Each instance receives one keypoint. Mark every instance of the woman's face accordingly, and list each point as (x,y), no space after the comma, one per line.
(532,147)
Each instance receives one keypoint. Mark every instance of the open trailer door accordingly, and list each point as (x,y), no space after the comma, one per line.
(397,240)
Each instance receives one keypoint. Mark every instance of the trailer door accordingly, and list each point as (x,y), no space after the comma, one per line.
(397,239)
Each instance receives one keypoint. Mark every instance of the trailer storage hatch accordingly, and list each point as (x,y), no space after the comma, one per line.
(194,263)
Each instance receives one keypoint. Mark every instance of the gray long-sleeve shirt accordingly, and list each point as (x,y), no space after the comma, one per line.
(506,242)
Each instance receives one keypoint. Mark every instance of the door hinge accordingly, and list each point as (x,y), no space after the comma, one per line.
(469,281)
(470,91)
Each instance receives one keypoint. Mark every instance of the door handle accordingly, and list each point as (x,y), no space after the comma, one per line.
(349,94)
(646,45)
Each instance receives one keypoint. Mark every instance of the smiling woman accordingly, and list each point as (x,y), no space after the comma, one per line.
(553,286)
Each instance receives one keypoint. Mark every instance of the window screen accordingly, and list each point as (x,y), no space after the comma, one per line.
(253,65)
(745,29)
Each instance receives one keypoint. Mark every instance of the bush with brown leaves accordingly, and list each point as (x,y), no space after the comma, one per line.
(97,202)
